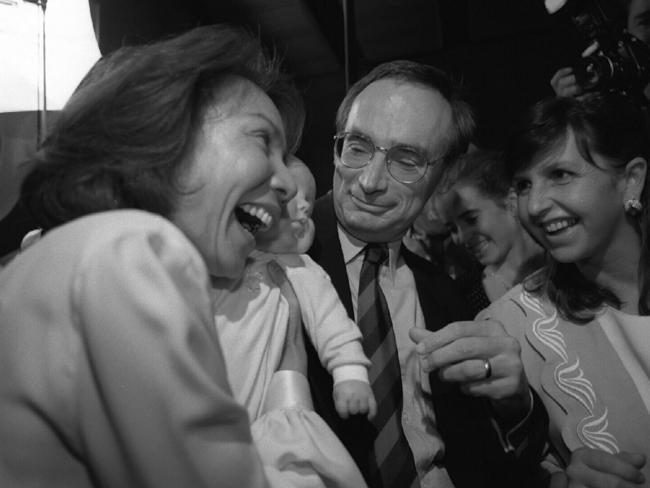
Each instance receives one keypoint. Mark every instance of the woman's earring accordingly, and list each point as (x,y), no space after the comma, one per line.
(633,207)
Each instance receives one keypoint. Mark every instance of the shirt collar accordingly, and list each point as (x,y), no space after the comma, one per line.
(353,247)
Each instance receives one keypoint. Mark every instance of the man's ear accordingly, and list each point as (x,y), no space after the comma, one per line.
(635,177)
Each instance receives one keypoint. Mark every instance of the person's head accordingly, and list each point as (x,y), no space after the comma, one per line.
(575,163)
(294,232)
(416,113)
(191,128)
(475,200)
(429,222)
(638,19)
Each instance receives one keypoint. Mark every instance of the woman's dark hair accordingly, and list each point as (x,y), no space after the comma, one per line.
(463,125)
(123,137)
(613,127)
(482,169)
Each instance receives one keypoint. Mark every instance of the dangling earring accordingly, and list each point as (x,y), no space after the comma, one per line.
(633,207)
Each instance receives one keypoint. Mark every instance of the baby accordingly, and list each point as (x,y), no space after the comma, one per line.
(252,318)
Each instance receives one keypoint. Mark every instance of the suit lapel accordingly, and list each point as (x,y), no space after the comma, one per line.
(438,302)
(326,249)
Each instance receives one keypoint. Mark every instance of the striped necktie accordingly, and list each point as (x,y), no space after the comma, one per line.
(391,460)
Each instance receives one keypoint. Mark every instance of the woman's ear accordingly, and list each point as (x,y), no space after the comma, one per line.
(635,177)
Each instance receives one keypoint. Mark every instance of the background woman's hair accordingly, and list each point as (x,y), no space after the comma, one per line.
(608,125)
(122,138)
(481,169)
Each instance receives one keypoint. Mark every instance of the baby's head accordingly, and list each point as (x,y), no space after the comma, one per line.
(294,232)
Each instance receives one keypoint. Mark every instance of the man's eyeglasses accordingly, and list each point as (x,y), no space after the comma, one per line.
(405,164)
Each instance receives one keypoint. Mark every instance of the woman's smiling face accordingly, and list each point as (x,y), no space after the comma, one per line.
(236,178)
(481,224)
(572,207)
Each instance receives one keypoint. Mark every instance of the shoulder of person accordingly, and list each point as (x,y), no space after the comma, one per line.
(302,264)
(291,260)
(432,270)
(121,235)
(517,309)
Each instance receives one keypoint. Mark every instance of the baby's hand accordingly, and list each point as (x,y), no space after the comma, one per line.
(353,397)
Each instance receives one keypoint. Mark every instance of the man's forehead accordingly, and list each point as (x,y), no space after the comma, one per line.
(401,112)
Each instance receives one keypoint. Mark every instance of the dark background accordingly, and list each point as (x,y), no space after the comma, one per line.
(503,51)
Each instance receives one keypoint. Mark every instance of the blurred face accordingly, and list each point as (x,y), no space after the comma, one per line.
(485,227)
(429,221)
(573,208)
(369,203)
(294,232)
(638,20)
(236,177)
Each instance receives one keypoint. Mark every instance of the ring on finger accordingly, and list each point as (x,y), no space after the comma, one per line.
(488,369)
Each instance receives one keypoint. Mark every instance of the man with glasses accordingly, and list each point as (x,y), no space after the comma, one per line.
(397,127)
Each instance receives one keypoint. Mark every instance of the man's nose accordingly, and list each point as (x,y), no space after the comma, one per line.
(374,174)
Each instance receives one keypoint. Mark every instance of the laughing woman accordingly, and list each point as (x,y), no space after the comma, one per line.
(112,373)
(580,172)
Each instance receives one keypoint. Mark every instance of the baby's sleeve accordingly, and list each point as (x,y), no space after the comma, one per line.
(335,336)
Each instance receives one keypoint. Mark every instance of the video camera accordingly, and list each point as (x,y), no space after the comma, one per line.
(614,59)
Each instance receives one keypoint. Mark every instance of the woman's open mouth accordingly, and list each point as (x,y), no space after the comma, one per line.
(556,226)
(253,218)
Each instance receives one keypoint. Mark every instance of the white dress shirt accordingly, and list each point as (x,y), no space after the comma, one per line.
(418,419)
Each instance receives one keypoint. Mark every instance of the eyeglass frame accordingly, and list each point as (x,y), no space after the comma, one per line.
(387,162)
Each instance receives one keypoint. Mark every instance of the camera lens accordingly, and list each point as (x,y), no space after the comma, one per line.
(594,72)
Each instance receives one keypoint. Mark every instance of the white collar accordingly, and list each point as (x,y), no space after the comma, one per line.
(353,247)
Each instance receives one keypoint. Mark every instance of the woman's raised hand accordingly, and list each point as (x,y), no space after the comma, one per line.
(592,468)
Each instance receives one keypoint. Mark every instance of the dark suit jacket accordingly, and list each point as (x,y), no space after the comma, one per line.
(474,457)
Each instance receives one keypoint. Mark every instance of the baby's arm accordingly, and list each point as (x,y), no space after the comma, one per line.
(335,336)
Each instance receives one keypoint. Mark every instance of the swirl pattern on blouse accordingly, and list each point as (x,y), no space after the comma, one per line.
(592,429)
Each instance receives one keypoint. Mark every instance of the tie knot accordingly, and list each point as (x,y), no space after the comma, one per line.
(376,253)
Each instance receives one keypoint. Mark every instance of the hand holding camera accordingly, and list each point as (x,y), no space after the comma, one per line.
(614,59)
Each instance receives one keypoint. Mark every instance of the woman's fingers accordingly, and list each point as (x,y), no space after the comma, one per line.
(596,468)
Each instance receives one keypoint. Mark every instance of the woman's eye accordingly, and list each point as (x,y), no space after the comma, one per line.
(521,186)
(470,219)
(264,137)
(560,175)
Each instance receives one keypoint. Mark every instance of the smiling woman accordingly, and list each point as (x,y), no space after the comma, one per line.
(580,172)
(476,201)
(112,372)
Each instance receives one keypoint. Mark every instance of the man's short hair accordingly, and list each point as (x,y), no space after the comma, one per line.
(463,125)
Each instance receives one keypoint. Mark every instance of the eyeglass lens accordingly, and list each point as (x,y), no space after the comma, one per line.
(404,163)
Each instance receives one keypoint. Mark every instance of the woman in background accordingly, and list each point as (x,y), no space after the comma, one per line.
(580,173)
(476,201)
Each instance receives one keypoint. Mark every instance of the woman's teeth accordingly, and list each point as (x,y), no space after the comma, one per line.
(253,218)
(558,225)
